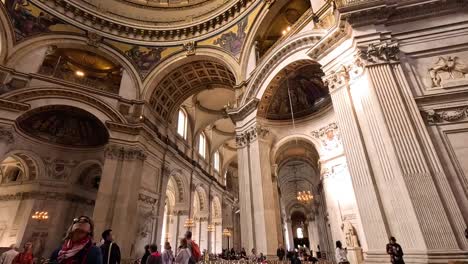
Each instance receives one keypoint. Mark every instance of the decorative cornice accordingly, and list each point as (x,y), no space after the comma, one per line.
(239,114)
(57,196)
(10,105)
(447,115)
(110,27)
(119,152)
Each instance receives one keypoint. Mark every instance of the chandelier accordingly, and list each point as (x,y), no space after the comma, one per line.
(304,196)
(189,223)
(211,228)
(40,216)
(226,232)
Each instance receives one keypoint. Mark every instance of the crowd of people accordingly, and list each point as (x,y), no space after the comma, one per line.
(78,248)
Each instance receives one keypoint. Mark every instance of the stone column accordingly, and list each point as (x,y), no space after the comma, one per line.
(245,195)
(117,197)
(164,179)
(6,141)
(204,234)
(313,234)
(182,216)
(411,177)
(367,197)
(290,234)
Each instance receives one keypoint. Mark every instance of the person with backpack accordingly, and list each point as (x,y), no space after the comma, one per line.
(193,248)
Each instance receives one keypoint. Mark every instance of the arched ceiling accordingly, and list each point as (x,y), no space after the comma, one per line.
(299,82)
(64,125)
(187,80)
(215,99)
(166,22)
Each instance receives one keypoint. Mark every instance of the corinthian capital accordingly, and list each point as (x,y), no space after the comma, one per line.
(383,52)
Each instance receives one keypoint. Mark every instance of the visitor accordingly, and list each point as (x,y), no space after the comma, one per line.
(194,249)
(25,257)
(233,254)
(167,255)
(395,251)
(146,255)
(78,244)
(319,254)
(184,254)
(253,257)
(261,258)
(155,257)
(295,258)
(243,254)
(8,256)
(110,250)
(280,252)
(341,253)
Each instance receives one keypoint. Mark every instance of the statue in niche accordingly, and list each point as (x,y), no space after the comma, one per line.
(445,69)
(350,235)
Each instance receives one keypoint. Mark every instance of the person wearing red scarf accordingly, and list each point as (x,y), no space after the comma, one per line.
(25,257)
(155,257)
(78,246)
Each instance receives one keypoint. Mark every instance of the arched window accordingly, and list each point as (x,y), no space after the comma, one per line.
(182,124)
(300,233)
(216,161)
(202,145)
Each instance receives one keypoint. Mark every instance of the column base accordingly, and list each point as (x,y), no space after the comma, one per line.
(449,256)
(355,255)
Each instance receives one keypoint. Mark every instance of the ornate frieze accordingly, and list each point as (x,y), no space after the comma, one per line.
(59,169)
(447,115)
(147,199)
(94,39)
(46,196)
(383,52)
(119,152)
(99,19)
(6,135)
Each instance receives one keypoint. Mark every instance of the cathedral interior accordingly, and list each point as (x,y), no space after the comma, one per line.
(252,123)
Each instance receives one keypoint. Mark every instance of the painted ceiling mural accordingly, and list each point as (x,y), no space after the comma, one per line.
(64,125)
(29,20)
(299,85)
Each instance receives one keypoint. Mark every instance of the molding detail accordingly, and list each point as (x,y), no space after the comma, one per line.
(447,115)
(238,114)
(6,135)
(119,152)
(190,48)
(46,196)
(250,135)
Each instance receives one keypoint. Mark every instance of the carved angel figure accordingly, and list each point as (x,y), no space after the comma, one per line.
(446,69)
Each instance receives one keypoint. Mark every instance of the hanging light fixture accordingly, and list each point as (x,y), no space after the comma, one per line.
(39,216)
(226,232)
(304,196)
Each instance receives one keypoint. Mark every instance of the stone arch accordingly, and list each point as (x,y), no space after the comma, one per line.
(202,199)
(7,37)
(18,52)
(293,49)
(39,97)
(310,143)
(174,61)
(31,164)
(179,185)
(216,212)
(85,174)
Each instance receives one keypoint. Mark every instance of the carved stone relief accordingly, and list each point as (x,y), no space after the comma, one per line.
(113,151)
(447,70)
(59,169)
(382,52)
(350,234)
(436,116)
(250,135)
(330,139)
